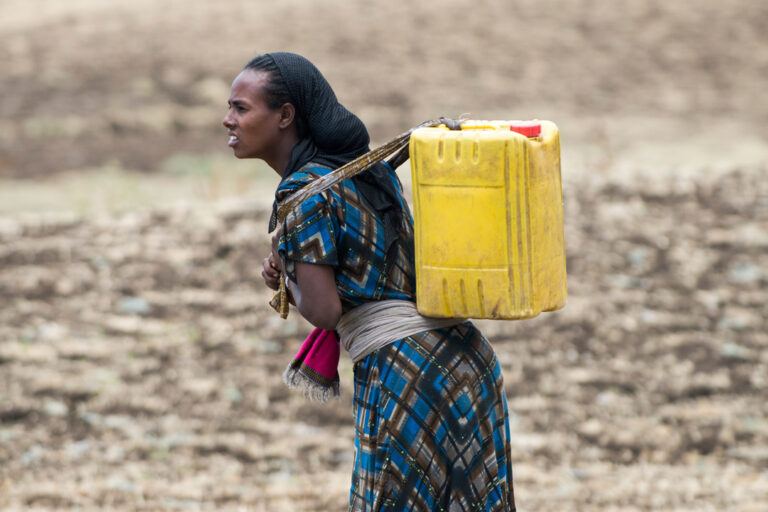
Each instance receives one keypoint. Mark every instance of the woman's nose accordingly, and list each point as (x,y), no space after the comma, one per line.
(227,121)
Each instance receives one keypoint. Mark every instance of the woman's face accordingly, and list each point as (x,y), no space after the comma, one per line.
(253,128)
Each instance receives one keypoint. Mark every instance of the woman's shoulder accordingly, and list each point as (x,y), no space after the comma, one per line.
(300,179)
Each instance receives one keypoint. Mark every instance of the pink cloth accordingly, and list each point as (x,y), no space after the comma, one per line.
(314,370)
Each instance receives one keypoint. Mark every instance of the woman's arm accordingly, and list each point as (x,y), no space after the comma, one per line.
(315,294)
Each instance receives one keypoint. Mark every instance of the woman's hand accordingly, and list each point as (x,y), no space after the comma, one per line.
(271,273)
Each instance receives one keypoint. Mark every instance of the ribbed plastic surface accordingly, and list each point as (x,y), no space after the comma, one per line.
(488,216)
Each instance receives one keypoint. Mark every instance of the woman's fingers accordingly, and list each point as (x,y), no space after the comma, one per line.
(275,263)
(270,275)
(269,268)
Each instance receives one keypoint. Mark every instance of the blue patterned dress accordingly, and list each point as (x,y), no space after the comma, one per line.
(432,429)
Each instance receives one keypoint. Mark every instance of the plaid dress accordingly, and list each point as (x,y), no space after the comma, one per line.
(432,429)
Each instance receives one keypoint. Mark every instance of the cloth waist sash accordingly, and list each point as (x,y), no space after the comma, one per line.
(374,325)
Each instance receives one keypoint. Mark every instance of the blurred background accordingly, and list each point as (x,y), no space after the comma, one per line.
(139,363)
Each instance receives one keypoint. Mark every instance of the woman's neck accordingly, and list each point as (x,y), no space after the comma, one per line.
(282,154)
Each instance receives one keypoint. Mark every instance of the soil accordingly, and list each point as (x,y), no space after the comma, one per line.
(140,364)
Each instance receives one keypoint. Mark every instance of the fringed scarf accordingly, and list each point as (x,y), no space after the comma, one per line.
(314,370)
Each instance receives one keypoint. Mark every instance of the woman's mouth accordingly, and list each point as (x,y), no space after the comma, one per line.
(233,140)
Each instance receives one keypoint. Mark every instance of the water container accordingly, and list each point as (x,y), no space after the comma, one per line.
(488,214)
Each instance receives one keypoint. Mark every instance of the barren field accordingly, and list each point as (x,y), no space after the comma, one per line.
(139,362)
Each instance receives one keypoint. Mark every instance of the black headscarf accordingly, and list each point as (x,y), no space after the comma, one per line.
(334,137)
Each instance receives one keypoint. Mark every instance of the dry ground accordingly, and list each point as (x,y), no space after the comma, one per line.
(140,367)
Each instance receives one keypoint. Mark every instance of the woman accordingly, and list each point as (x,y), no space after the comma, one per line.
(431,416)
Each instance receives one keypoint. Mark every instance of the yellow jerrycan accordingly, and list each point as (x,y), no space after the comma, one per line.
(488,213)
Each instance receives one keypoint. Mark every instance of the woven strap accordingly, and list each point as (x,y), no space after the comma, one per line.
(362,163)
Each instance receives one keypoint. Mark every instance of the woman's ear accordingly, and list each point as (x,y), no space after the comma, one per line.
(287,114)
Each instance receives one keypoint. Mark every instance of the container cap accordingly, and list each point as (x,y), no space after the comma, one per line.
(527,128)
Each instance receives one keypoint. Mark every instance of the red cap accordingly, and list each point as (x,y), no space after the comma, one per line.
(527,128)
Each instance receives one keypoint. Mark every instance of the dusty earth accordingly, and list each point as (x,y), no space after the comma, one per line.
(140,366)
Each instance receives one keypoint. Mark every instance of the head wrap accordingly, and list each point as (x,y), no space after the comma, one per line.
(335,136)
